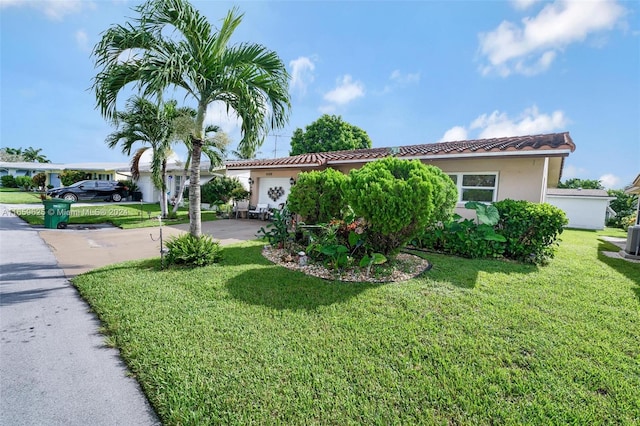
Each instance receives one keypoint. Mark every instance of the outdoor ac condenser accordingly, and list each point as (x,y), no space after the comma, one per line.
(633,240)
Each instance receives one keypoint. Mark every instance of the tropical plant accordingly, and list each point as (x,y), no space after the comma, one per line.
(148,123)
(69,177)
(33,155)
(398,199)
(188,250)
(278,232)
(172,45)
(318,196)
(624,205)
(24,182)
(39,180)
(328,133)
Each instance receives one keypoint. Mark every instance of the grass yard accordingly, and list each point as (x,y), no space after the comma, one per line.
(469,342)
(16,196)
(125,216)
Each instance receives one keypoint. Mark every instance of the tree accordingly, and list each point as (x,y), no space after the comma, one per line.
(149,124)
(33,155)
(328,133)
(624,205)
(172,45)
(576,183)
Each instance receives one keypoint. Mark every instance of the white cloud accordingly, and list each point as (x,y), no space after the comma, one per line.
(404,79)
(82,40)
(346,91)
(523,4)
(531,47)
(570,171)
(610,181)
(53,9)
(530,122)
(301,74)
(217,115)
(457,133)
(499,124)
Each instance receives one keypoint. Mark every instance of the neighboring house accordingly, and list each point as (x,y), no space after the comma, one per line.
(585,208)
(94,171)
(519,167)
(632,248)
(175,172)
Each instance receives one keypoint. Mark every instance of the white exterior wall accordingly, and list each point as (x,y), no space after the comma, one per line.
(582,212)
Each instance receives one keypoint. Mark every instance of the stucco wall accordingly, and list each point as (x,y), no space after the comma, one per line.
(582,212)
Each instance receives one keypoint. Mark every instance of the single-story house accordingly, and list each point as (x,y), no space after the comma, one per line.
(175,174)
(585,208)
(518,167)
(94,171)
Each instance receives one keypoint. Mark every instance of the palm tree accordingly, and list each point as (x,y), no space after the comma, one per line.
(33,155)
(172,45)
(147,123)
(214,146)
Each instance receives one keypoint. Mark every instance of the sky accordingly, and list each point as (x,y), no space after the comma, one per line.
(406,72)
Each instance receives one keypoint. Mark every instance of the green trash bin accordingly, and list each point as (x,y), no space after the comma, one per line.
(56,213)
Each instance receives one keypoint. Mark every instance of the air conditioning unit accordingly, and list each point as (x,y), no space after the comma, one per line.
(633,240)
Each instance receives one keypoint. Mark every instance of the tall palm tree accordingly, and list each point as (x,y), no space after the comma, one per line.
(149,124)
(33,155)
(172,45)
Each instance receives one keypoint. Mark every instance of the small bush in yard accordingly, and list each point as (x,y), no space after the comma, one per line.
(8,181)
(188,250)
(531,229)
(398,199)
(318,196)
(24,182)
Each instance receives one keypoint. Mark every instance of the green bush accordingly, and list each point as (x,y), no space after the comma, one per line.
(24,182)
(220,190)
(8,181)
(69,177)
(531,229)
(318,196)
(39,180)
(277,232)
(131,184)
(188,250)
(398,199)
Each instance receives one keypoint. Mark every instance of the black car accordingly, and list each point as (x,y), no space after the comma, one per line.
(91,190)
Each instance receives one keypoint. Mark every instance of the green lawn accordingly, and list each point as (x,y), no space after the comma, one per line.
(469,342)
(16,196)
(125,216)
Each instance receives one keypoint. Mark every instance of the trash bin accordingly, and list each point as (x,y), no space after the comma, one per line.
(56,213)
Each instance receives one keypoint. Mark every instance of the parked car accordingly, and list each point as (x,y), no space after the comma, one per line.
(91,190)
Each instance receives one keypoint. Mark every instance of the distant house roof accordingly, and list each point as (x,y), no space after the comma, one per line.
(634,188)
(577,192)
(554,144)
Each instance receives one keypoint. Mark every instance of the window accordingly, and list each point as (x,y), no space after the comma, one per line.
(476,187)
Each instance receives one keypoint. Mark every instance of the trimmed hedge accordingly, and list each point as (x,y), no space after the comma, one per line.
(318,196)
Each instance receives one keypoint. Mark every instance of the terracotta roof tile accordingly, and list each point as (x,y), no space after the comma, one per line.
(552,141)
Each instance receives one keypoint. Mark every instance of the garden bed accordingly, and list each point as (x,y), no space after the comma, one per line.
(404,267)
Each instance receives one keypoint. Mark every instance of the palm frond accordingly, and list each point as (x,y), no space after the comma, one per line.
(135,162)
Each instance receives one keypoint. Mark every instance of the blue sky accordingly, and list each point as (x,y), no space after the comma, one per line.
(406,72)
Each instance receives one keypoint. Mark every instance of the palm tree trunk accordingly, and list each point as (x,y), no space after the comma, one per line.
(195,221)
(183,183)
(163,198)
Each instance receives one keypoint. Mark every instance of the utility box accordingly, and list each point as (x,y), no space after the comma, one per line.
(633,241)
(56,213)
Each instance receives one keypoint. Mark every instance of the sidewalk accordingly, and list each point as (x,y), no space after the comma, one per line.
(54,367)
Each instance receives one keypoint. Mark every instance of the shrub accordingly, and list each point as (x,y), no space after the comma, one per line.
(131,184)
(188,250)
(69,177)
(39,180)
(24,182)
(219,190)
(318,196)
(277,232)
(8,181)
(398,199)
(531,229)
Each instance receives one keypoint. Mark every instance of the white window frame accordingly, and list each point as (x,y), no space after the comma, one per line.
(460,176)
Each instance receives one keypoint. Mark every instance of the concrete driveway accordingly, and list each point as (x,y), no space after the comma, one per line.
(79,250)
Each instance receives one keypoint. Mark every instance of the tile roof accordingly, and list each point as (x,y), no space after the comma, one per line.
(514,145)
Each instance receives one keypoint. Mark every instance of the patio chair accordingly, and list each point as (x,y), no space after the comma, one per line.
(260,211)
(241,208)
